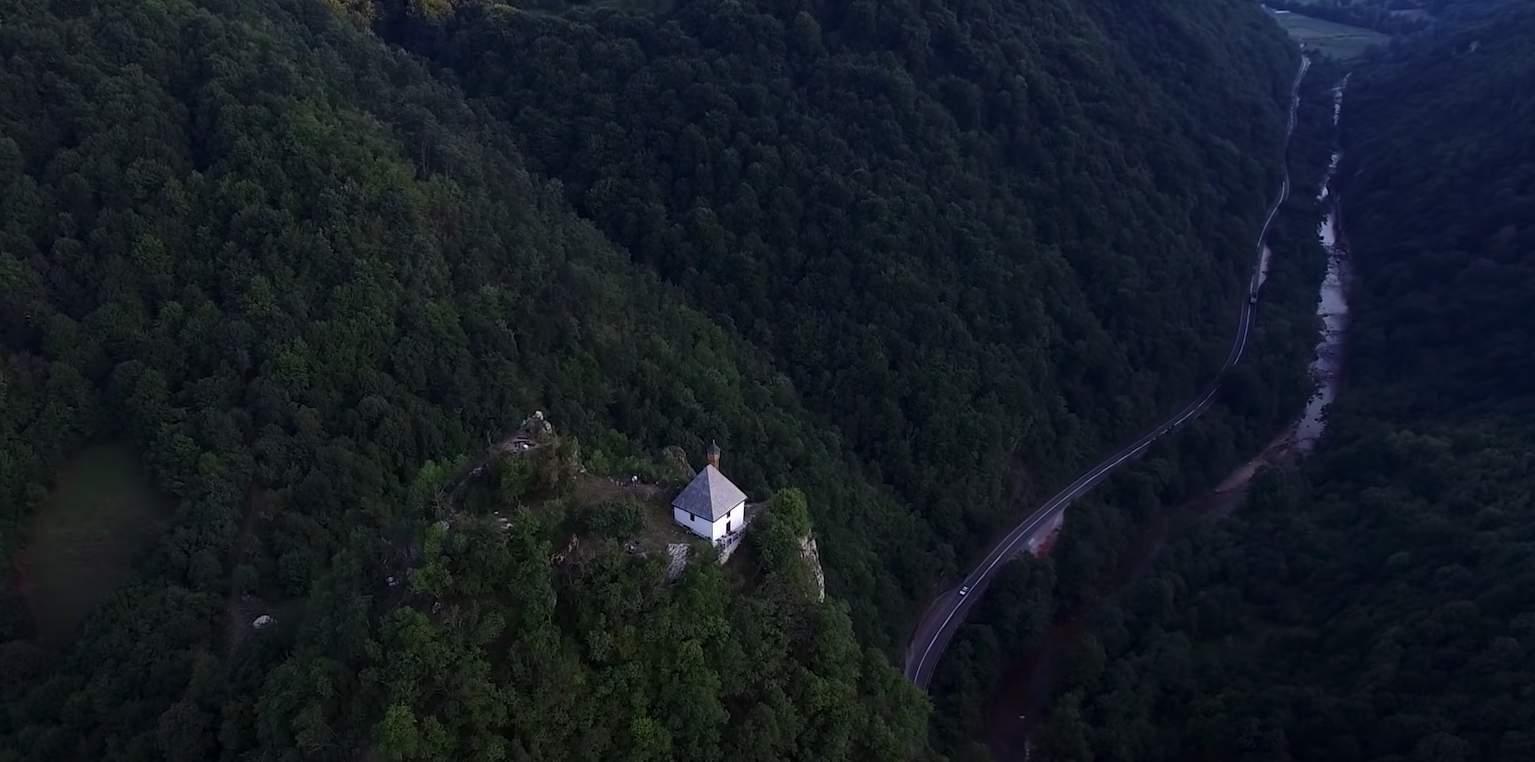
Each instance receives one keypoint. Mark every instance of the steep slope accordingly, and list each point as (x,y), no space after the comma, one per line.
(293,270)
(1440,197)
(986,239)
(1377,604)
(300,272)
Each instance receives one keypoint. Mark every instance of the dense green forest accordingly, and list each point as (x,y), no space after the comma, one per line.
(306,258)
(1107,531)
(1375,603)
(293,269)
(987,240)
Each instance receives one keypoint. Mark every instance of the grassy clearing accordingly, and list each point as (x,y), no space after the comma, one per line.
(1406,13)
(85,537)
(1339,41)
(657,529)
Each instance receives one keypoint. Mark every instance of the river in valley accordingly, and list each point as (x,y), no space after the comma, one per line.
(1332,306)
(1026,690)
(1326,367)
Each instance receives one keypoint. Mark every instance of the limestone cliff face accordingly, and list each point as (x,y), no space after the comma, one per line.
(812,556)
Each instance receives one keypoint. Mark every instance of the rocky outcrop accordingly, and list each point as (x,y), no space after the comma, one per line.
(812,556)
(676,559)
(675,466)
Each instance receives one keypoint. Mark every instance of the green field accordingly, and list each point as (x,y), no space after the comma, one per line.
(84,539)
(631,6)
(1339,41)
(1415,13)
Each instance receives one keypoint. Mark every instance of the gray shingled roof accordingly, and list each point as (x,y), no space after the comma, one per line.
(709,495)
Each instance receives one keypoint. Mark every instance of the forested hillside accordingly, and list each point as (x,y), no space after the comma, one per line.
(1377,603)
(1018,641)
(1443,188)
(911,260)
(292,269)
(985,239)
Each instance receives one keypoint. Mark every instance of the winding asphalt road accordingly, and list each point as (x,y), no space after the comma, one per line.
(948,610)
